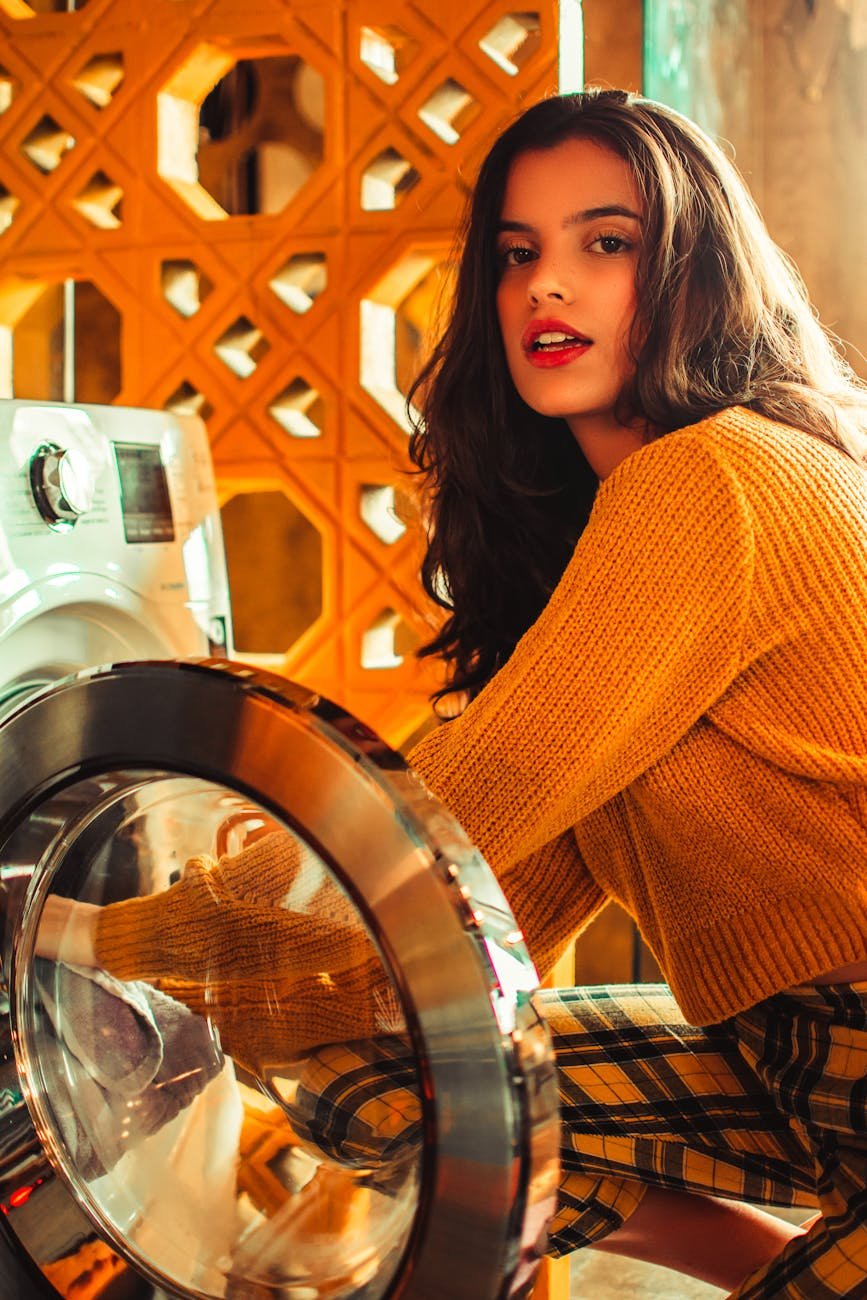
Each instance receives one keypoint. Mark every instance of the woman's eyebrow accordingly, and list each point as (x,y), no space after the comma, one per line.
(606,210)
(521,226)
(575,218)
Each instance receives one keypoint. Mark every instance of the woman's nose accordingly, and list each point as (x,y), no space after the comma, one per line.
(549,283)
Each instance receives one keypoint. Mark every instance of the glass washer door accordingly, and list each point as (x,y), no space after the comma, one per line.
(272,1018)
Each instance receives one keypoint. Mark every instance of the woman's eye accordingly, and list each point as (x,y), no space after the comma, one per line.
(612,244)
(516,255)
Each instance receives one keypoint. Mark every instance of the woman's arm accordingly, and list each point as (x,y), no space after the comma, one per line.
(263,1021)
(644,633)
(553,897)
(224,920)
(231,919)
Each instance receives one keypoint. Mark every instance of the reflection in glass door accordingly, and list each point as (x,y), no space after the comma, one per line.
(226,1049)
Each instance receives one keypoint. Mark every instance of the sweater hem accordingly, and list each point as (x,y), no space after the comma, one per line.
(741,962)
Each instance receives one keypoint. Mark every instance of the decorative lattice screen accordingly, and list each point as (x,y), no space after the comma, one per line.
(246,210)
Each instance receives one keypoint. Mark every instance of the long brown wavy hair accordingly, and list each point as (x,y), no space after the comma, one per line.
(723,320)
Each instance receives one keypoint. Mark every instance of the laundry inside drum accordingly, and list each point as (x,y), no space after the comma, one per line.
(215,1052)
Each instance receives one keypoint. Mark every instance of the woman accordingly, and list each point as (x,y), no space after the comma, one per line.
(648,527)
(649,532)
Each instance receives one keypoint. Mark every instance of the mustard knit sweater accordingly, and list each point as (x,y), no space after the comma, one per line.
(683,729)
(265,944)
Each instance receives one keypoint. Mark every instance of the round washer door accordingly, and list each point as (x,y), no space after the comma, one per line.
(270,1028)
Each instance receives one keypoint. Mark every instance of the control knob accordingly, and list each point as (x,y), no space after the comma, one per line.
(63,483)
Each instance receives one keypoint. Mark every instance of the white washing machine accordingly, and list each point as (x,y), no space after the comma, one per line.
(314,1072)
(204,1115)
(110,541)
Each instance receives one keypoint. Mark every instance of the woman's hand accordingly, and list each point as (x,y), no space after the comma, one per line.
(66,931)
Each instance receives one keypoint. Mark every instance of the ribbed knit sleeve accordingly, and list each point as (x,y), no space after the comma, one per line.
(642,635)
(554,897)
(226,942)
(227,920)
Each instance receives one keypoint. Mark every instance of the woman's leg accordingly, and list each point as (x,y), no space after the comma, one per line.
(655,1111)
(809,1049)
(707,1237)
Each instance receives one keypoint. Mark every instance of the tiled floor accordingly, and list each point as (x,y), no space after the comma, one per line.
(604,1277)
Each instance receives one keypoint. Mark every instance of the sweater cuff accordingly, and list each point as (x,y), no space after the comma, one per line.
(134,940)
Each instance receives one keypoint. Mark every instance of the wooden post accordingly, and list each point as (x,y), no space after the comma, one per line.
(553,1282)
(613,36)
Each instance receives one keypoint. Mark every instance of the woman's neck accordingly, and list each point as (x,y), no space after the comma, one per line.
(605,443)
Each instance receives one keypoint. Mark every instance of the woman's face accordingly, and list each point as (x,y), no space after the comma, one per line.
(568,248)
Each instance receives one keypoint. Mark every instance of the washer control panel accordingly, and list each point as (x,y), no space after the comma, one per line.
(110,506)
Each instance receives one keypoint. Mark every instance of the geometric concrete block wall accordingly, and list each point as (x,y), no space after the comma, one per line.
(246,210)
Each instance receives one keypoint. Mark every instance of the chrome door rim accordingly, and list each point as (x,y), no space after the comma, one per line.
(490,1189)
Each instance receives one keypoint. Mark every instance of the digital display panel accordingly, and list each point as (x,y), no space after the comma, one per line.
(144,494)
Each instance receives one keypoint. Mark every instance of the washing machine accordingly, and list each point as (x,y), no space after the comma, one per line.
(269,1028)
(110,541)
(267,1025)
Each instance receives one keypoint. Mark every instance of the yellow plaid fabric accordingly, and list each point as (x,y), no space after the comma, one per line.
(358,1102)
(770,1106)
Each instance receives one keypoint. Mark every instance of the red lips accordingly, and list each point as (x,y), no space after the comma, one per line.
(559,354)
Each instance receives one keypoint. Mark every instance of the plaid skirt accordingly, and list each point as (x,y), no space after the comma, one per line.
(769,1107)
